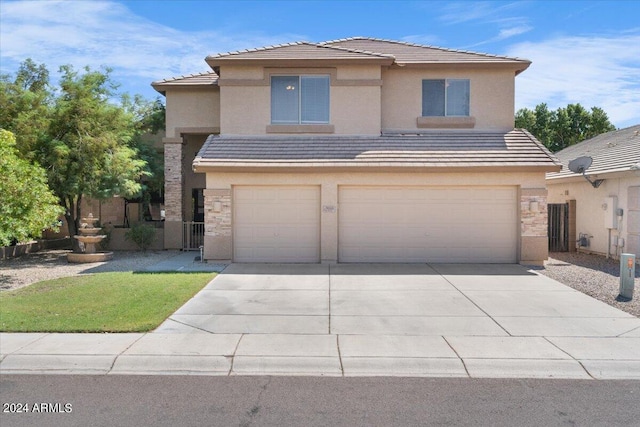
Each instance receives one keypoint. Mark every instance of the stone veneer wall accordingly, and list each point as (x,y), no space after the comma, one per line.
(534,222)
(173,182)
(533,232)
(218,228)
(173,189)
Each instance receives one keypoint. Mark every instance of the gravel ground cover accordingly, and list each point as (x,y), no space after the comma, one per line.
(52,264)
(593,275)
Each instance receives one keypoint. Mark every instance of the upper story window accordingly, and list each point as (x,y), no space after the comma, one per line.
(445,97)
(300,99)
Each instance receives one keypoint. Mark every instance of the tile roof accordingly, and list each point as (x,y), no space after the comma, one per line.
(353,49)
(298,50)
(517,148)
(616,151)
(411,53)
(201,79)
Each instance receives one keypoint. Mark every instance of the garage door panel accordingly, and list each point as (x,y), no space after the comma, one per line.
(276,224)
(427,224)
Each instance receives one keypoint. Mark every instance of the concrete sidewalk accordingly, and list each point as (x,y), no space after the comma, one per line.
(187,261)
(478,321)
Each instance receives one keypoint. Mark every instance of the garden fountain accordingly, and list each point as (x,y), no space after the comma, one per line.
(88,239)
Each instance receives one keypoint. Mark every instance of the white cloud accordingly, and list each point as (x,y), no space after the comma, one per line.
(513,31)
(97,33)
(501,18)
(423,39)
(595,71)
(484,11)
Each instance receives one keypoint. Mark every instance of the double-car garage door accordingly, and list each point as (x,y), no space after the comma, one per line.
(378,224)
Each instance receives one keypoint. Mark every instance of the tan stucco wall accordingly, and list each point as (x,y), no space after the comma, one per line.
(219,243)
(590,216)
(191,108)
(491,98)
(354,109)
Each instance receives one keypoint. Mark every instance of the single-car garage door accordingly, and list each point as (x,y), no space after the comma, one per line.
(428,224)
(276,224)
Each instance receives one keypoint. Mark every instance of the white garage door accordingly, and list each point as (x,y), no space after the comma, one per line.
(276,224)
(428,224)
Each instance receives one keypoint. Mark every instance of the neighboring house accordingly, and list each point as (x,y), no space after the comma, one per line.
(354,150)
(607,217)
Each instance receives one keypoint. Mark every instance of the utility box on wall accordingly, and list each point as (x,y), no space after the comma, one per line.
(610,205)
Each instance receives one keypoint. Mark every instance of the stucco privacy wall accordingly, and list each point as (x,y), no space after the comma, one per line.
(491,98)
(354,98)
(219,204)
(589,212)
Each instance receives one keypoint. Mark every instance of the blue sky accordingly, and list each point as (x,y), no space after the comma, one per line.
(582,51)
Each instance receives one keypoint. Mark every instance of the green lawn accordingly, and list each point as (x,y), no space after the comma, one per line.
(103,302)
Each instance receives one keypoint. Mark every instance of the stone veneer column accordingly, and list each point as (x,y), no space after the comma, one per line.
(173,189)
(218,241)
(534,247)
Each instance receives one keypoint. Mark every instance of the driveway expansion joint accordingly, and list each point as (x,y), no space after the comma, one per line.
(233,356)
(464,365)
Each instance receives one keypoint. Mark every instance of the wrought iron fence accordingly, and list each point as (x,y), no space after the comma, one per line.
(558,227)
(192,235)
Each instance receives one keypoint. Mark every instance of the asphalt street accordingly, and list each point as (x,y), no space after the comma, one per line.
(313,401)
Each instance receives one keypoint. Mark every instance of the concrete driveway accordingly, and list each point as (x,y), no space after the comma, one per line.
(392,319)
(439,320)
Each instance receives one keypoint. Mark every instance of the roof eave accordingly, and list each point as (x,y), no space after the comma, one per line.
(163,85)
(203,166)
(517,67)
(598,174)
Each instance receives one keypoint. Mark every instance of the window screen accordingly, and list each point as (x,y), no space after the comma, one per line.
(299,99)
(285,99)
(448,97)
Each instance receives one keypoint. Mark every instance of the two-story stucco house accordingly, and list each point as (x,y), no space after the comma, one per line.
(355,150)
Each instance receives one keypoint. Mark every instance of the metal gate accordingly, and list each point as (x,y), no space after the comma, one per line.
(192,235)
(558,227)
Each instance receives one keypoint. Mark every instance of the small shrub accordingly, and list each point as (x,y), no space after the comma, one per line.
(142,235)
(106,230)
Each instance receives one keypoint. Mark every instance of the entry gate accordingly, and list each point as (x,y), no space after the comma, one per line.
(192,235)
(558,227)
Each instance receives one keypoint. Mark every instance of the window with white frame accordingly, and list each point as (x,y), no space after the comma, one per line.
(445,97)
(300,99)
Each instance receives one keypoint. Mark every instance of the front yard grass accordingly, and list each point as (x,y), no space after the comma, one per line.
(102,302)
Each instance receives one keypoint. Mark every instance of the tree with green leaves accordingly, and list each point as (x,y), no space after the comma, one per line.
(89,144)
(25,106)
(565,126)
(28,205)
(89,150)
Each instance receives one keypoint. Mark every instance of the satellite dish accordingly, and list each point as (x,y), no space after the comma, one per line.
(580,165)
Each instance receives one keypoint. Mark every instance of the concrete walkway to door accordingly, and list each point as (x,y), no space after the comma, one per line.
(440,320)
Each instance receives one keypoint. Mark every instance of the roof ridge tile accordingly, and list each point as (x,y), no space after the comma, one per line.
(258,49)
(412,44)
